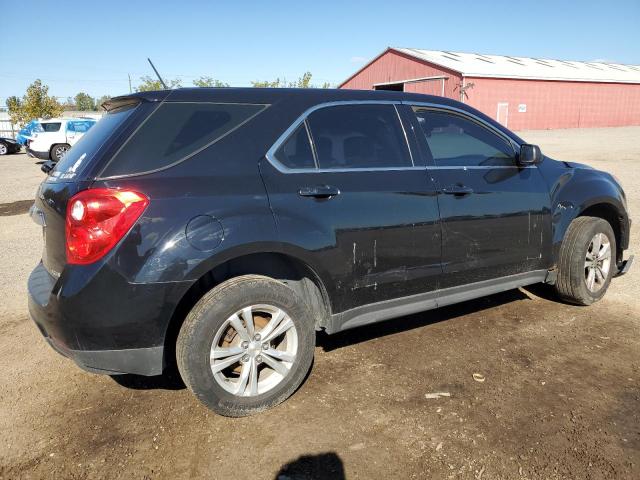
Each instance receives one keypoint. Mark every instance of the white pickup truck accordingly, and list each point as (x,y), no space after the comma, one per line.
(52,138)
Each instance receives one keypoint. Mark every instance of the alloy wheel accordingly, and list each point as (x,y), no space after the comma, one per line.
(254,350)
(597,262)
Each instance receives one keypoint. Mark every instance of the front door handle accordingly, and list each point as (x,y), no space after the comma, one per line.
(319,191)
(458,190)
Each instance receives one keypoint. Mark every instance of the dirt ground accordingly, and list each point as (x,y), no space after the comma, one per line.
(560,396)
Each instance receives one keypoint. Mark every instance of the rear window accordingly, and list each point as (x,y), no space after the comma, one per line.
(83,151)
(176,131)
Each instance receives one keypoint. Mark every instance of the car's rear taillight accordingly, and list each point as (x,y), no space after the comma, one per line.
(97,219)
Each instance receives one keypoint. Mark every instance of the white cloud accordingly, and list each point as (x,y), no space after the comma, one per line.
(357,59)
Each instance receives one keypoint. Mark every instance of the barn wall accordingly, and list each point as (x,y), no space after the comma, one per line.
(557,104)
(392,66)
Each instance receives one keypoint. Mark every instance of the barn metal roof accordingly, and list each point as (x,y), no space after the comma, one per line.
(502,66)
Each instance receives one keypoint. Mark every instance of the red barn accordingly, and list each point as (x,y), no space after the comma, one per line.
(519,92)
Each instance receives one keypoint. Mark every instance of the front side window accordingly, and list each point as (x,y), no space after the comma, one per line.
(457,141)
(358,136)
(176,131)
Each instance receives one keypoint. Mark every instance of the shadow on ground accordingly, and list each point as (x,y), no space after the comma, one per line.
(171,380)
(418,320)
(313,467)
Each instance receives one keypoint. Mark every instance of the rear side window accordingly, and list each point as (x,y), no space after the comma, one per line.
(80,127)
(296,151)
(359,136)
(176,131)
(49,127)
(460,142)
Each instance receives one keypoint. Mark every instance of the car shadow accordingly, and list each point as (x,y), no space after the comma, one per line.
(417,320)
(313,467)
(544,291)
(171,380)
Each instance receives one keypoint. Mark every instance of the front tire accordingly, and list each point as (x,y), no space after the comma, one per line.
(246,346)
(4,148)
(587,261)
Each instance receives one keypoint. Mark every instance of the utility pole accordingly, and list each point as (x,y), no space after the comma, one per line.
(129,75)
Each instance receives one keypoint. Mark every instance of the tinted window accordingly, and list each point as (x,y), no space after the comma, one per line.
(83,151)
(296,151)
(79,126)
(176,131)
(359,136)
(48,127)
(457,141)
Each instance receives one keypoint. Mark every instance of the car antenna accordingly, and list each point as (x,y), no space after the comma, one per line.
(159,77)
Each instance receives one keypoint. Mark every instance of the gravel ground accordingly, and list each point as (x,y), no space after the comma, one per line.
(560,396)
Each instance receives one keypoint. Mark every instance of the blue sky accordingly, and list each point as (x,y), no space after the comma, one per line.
(242,41)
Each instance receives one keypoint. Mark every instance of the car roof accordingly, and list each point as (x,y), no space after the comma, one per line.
(302,98)
(272,95)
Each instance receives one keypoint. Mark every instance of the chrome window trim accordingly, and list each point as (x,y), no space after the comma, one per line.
(478,167)
(273,160)
(314,152)
(515,146)
(270,155)
(404,132)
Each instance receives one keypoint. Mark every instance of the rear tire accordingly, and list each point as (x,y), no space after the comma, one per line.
(58,151)
(237,369)
(587,261)
(4,148)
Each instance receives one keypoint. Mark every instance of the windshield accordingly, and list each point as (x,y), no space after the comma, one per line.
(83,152)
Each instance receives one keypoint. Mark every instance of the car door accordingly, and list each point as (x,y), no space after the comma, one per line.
(348,192)
(495,214)
(75,130)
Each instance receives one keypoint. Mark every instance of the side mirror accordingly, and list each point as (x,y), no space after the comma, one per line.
(529,155)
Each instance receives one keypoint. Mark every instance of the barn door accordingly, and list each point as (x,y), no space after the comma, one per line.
(503,113)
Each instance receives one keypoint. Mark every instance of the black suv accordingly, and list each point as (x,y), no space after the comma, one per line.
(222,227)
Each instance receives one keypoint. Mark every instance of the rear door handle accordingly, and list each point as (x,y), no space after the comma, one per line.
(458,190)
(319,191)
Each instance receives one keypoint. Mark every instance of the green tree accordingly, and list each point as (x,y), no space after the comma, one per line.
(36,103)
(267,84)
(303,82)
(84,102)
(14,104)
(149,84)
(209,82)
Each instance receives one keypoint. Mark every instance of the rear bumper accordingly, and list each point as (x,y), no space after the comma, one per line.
(36,154)
(141,361)
(96,325)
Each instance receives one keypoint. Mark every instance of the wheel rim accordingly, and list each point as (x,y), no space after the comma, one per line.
(597,262)
(254,350)
(3,149)
(60,151)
